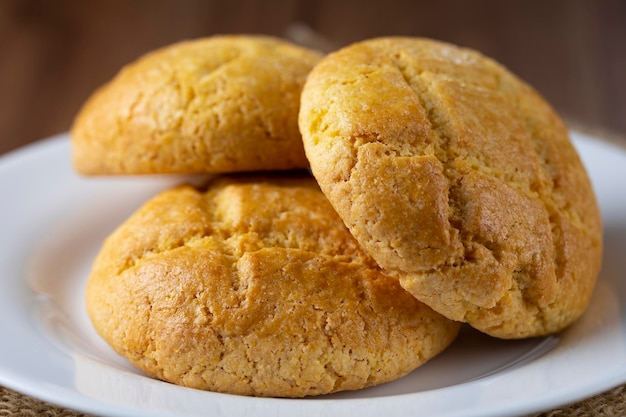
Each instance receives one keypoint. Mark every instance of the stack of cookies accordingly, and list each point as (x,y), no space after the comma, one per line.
(363,205)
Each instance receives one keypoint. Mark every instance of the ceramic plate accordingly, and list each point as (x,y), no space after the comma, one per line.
(52,223)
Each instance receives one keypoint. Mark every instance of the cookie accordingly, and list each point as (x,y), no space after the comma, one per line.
(457,177)
(218,104)
(256,287)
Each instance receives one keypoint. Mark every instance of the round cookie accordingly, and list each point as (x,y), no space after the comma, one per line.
(218,104)
(457,177)
(256,288)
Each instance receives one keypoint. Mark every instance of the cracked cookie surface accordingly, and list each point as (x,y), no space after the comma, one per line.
(255,287)
(458,178)
(219,104)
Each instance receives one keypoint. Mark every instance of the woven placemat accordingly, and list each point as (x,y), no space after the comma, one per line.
(13,404)
(609,404)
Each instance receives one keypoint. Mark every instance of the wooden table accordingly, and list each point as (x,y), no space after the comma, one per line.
(53,54)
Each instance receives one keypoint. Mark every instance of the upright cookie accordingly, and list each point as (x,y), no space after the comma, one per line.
(256,288)
(219,104)
(459,178)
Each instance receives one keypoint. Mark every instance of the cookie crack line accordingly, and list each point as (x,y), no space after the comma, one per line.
(192,93)
(227,248)
(542,193)
(420,88)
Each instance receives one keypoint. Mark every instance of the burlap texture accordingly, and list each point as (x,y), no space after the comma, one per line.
(609,404)
(14,404)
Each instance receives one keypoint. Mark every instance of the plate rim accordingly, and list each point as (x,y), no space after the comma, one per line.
(75,401)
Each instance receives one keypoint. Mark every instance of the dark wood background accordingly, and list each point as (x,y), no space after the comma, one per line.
(54,53)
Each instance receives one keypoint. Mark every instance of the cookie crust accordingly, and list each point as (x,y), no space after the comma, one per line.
(459,178)
(218,104)
(256,288)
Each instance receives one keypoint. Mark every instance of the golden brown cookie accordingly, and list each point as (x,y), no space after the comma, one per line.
(256,288)
(219,104)
(459,178)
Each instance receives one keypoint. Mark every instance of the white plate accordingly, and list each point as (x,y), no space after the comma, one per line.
(52,223)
